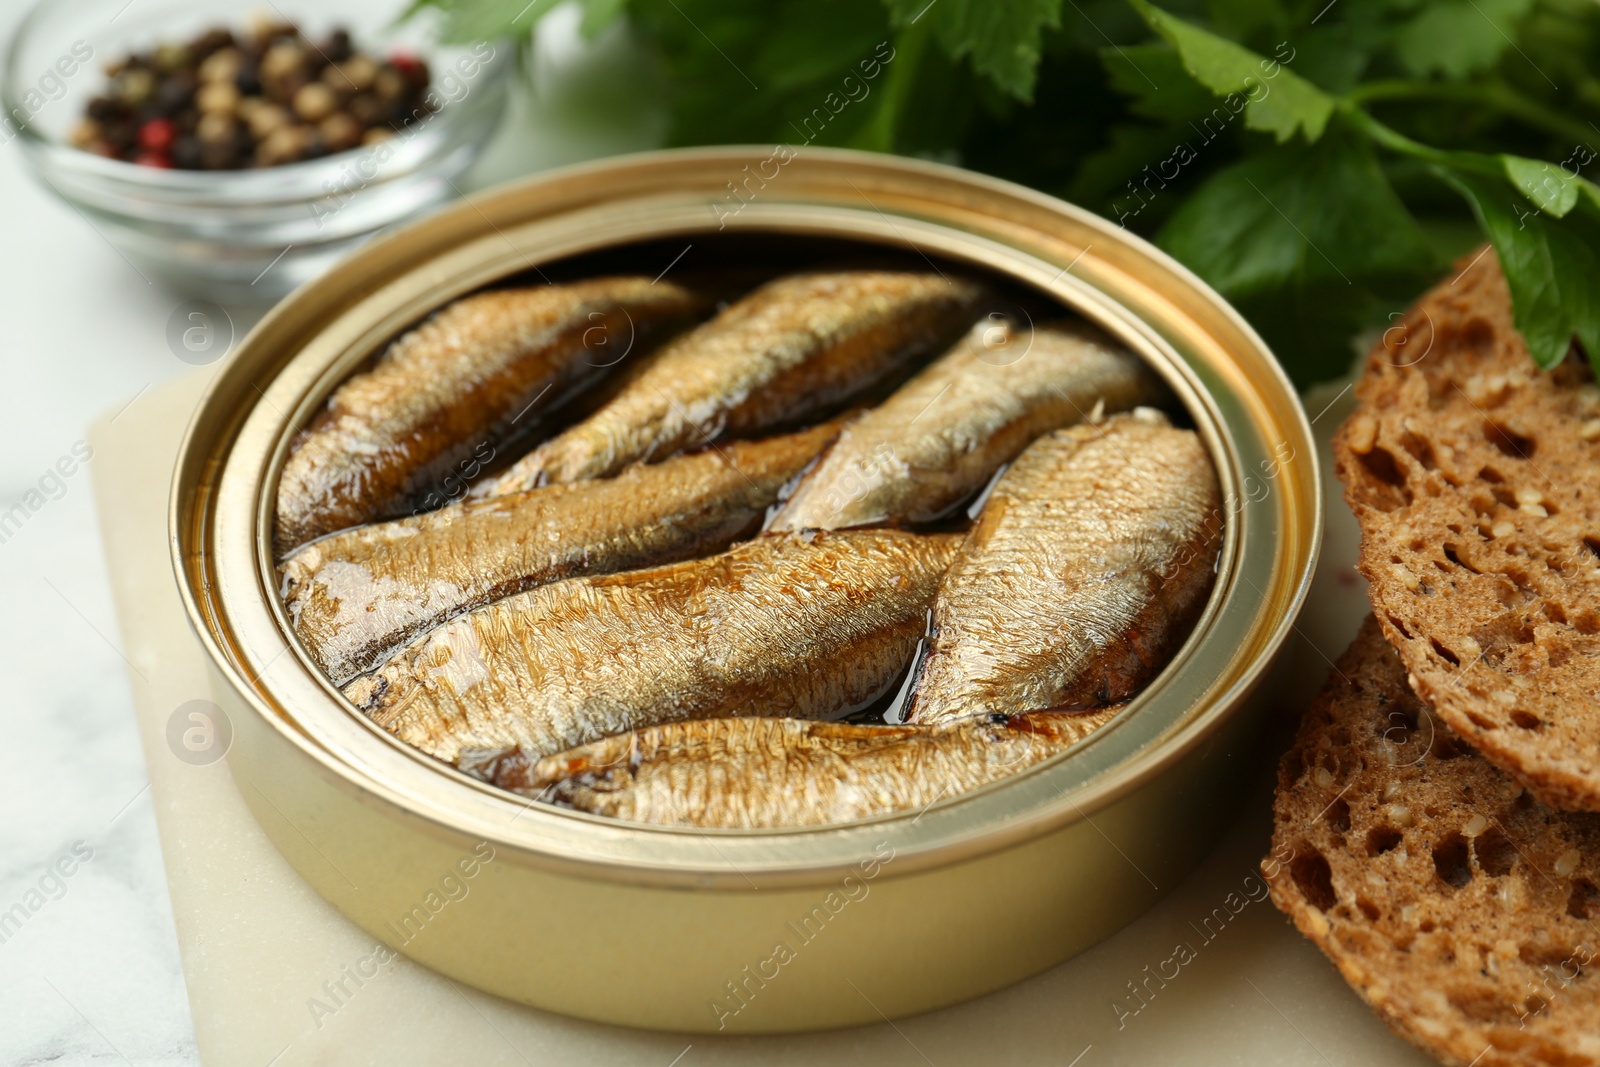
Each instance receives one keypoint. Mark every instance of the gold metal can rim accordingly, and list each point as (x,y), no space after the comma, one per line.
(1241,401)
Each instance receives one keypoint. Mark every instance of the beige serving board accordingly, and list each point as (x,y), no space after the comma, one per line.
(276,976)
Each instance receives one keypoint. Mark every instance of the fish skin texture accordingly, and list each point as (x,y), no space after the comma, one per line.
(793,349)
(1091,558)
(356,597)
(761,773)
(808,625)
(941,436)
(450,387)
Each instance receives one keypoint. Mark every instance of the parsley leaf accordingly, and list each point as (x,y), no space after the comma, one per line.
(468,21)
(1552,188)
(1001,36)
(598,14)
(1458,37)
(1552,266)
(769,73)
(1308,240)
(1156,83)
(1280,101)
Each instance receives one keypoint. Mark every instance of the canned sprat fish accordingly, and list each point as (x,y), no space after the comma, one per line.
(396,747)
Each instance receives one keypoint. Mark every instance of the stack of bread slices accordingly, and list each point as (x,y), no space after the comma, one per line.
(1438,817)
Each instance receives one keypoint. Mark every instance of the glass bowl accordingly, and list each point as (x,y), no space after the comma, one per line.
(242,236)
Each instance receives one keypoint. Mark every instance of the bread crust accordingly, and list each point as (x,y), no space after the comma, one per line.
(1476,480)
(1461,909)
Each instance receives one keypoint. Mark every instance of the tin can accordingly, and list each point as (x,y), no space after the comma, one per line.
(734,931)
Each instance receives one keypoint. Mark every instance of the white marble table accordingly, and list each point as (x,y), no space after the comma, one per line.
(89,966)
(91,975)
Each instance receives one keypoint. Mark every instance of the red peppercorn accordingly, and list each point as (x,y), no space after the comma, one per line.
(409,67)
(153,159)
(156,136)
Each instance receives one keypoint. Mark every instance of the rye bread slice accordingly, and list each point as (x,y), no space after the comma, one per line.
(1465,912)
(1476,480)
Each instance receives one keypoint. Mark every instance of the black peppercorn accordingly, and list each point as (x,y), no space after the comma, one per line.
(186,152)
(248,80)
(211,41)
(101,109)
(337,48)
(175,92)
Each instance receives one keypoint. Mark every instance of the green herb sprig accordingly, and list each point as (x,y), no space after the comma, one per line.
(1317,162)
